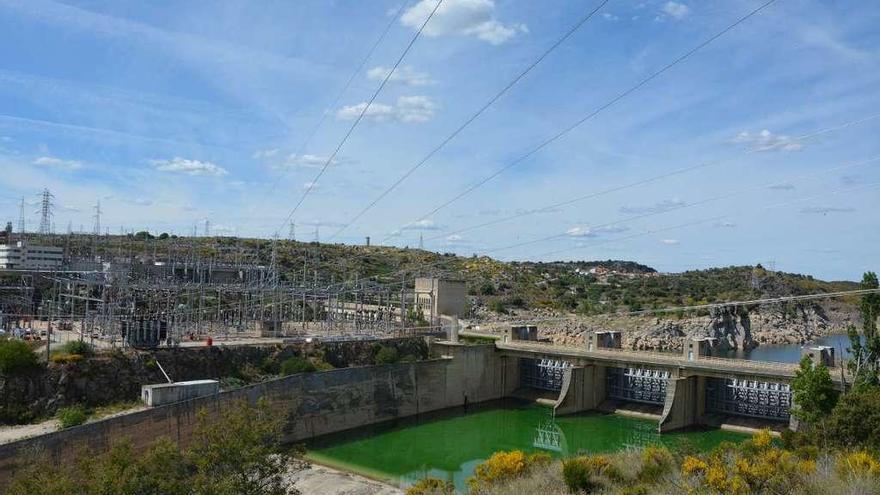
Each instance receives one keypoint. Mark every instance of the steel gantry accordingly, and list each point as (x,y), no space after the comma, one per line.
(753,398)
(543,374)
(637,384)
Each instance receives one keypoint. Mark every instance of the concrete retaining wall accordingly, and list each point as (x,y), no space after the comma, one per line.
(314,403)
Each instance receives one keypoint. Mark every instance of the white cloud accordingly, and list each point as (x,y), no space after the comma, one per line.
(665,205)
(310,161)
(405,75)
(767,141)
(610,17)
(724,225)
(824,210)
(409,109)
(586,231)
(310,186)
(51,161)
(675,10)
(189,167)
(264,154)
(462,18)
(669,242)
(453,238)
(422,225)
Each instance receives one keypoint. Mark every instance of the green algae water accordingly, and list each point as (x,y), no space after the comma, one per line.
(450,444)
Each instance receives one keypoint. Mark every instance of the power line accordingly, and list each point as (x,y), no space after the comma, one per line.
(714,218)
(641,182)
(701,202)
(342,92)
(654,231)
(595,112)
(360,117)
(473,117)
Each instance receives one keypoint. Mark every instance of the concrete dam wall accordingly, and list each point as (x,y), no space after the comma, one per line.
(314,403)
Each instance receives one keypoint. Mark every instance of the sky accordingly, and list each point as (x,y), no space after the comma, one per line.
(760,147)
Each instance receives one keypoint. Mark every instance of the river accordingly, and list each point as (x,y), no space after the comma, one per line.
(450,444)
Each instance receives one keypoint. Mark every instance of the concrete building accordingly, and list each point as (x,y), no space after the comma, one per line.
(436,297)
(23,256)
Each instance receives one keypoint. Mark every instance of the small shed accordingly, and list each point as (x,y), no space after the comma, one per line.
(166,393)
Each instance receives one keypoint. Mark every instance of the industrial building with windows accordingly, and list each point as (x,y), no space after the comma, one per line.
(22,256)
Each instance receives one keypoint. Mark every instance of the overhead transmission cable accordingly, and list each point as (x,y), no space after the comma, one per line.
(711,219)
(701,202)
(589,116)
(311,185)
(641,182)
(357,70)
(474,116)
(678,226)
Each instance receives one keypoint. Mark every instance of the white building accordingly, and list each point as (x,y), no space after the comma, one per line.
(21,256)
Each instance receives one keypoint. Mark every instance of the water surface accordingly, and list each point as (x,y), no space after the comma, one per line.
(450,444)
(791,353)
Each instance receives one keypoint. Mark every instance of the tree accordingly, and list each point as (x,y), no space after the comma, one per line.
(814,393)
(235,452)
(239,453)
(865,348)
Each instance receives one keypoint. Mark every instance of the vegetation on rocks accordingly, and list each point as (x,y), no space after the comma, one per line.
(72,416)
(16,356)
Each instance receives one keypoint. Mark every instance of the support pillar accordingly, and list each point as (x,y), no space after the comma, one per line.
(583,389)
(685,403)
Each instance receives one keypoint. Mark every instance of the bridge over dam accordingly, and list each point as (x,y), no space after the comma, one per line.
(678,389)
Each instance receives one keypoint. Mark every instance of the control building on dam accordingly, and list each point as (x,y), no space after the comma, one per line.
(679,390)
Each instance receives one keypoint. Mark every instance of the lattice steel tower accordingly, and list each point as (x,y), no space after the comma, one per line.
(46,206)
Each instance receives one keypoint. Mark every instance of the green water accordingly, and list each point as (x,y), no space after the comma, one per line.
(450,444)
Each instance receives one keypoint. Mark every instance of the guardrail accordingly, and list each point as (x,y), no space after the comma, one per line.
(665,357)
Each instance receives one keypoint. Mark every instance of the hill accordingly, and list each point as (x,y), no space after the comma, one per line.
(584,287)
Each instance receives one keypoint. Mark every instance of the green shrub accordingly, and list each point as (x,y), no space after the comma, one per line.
(431,486)
(321,365)
(77,347)
(655,462)
(72,416)
(294,365)
(16,355)
(498,306)
(386,355)
(581,473)
(577,476)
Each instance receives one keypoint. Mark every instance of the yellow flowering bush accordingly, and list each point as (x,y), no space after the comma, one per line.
(756,466)
(504,465)
(858,464)
(431,486)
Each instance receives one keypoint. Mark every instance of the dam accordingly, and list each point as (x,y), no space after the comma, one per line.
(679,392)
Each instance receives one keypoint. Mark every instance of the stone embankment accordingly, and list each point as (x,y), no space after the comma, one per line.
(112,377)
(733,329)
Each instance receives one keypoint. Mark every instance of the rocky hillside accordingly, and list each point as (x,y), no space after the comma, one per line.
(597,292)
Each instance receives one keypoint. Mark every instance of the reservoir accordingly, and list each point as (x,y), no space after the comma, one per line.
(791,353)
(450,444)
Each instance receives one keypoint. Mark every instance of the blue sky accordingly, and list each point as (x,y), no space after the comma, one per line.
(171,113)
